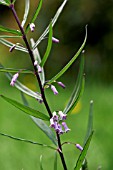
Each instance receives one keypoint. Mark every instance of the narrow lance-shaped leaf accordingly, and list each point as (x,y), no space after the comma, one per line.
(90,122)
(9,36)
(27,5)
(41,167)
(3,2)
(27,141)
(25,89)
(26,109)
(70,62)
(10,44)
(41,124)
(79,86)
(55,161)
(48,47)
(38,58)
(12,70)
(83,153)
(53,23)
(35,15)
(4,29)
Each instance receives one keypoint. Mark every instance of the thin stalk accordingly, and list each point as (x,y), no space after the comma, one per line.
(39,81)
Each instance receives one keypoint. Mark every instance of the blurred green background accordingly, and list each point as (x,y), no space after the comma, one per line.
(70,30)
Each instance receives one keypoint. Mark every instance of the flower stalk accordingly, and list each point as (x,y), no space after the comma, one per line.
(39,81)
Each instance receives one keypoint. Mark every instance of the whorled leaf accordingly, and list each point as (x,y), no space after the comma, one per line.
(38,58)
(70,62)
(26,109)
(83,153)
(34,16)
(49,46)
(53,23)
(78,89)
(27,6)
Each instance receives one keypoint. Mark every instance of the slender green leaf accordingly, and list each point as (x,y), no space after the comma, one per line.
(12,70)
(41,124)
(9,36)
(27,141)
(53,23)
(4,29)
(25,89)
(35,15)
(10,44)
(41,167)
(27,5)
(38,58)
(48,47)
(70,62)
(14,1)
(78,89)
(83,153)
(8,1)
(55,161)
(26,109)
(46,129)
(90,122)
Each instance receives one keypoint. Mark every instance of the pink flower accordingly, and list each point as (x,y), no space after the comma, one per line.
(65,127)
(14,78)
(62,115)
(53,88)
(32,27)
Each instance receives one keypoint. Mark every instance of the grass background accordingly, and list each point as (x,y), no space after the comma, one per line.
(16,155)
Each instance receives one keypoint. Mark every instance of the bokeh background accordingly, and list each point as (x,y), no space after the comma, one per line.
(70,30)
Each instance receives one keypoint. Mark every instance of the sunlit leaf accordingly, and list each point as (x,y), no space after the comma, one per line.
(38,58)
(48,47)
(4,29)
(27,141)
(10,44)
(78,89)
(27,5)
(83,153)
(70,62)
(35,15)
(41,124)
(53,23)
(26,109)
(90,122)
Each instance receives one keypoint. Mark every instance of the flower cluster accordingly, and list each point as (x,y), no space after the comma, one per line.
(55,122)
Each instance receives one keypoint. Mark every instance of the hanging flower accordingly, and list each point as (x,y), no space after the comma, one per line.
(62,115)
(65,127)
(14,78)
(61,84)
(55,40)
(78,146)
(53,88)
(32,27)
